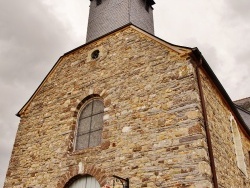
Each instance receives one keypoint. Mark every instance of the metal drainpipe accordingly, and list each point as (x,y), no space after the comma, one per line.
(204,112)
(125,182)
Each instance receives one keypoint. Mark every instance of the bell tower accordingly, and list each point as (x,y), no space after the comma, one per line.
(108,15)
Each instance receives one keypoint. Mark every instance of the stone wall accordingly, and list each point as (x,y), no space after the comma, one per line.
(219,115)
(152,132)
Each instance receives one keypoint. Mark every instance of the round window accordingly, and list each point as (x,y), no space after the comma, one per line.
(95,54)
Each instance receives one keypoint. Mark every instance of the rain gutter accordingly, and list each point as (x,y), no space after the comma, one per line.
(199,63)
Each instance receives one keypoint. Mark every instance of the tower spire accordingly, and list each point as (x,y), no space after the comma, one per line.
(108,15)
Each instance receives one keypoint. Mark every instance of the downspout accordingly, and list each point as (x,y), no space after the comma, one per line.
(204,112)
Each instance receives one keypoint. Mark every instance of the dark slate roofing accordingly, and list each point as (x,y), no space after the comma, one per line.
(151,2)
(244,114)
(244,103)
(243,107)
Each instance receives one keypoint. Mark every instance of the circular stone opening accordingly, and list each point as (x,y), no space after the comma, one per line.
(95,54)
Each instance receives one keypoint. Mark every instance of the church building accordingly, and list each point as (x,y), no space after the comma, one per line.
(130,110)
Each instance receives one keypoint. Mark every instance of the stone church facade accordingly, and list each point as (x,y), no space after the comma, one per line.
(155,112)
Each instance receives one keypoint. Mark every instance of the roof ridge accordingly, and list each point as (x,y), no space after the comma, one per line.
(242,109)
(241,99)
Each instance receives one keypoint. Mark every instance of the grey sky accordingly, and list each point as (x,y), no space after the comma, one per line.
(35,33)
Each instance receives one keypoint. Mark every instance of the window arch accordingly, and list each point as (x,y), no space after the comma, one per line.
(84,182)
(89,124)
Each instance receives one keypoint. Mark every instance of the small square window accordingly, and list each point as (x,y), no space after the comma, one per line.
(148,4)
(98,2)
(147,7)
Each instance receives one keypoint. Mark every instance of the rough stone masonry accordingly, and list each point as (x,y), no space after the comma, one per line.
(153,131)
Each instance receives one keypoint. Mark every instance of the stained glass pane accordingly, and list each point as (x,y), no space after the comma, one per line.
(95,138)
(98,107)
(86,111)
(84,125)
(82,141)
(90,125)
(97,121)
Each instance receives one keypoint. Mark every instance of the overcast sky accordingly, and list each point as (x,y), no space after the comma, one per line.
(35,33)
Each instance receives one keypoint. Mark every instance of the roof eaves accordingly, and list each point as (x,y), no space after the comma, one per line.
(208,69)
(18,114)
(239,100)
(242,109)
(122,27)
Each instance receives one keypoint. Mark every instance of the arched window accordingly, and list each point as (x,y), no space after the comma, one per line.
(85,182)
(89,125)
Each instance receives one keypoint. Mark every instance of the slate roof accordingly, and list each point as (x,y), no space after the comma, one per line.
(244,103)
(243,107)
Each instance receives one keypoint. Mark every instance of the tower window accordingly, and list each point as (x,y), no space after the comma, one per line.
(147,6)
(90,121)
(98,2)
